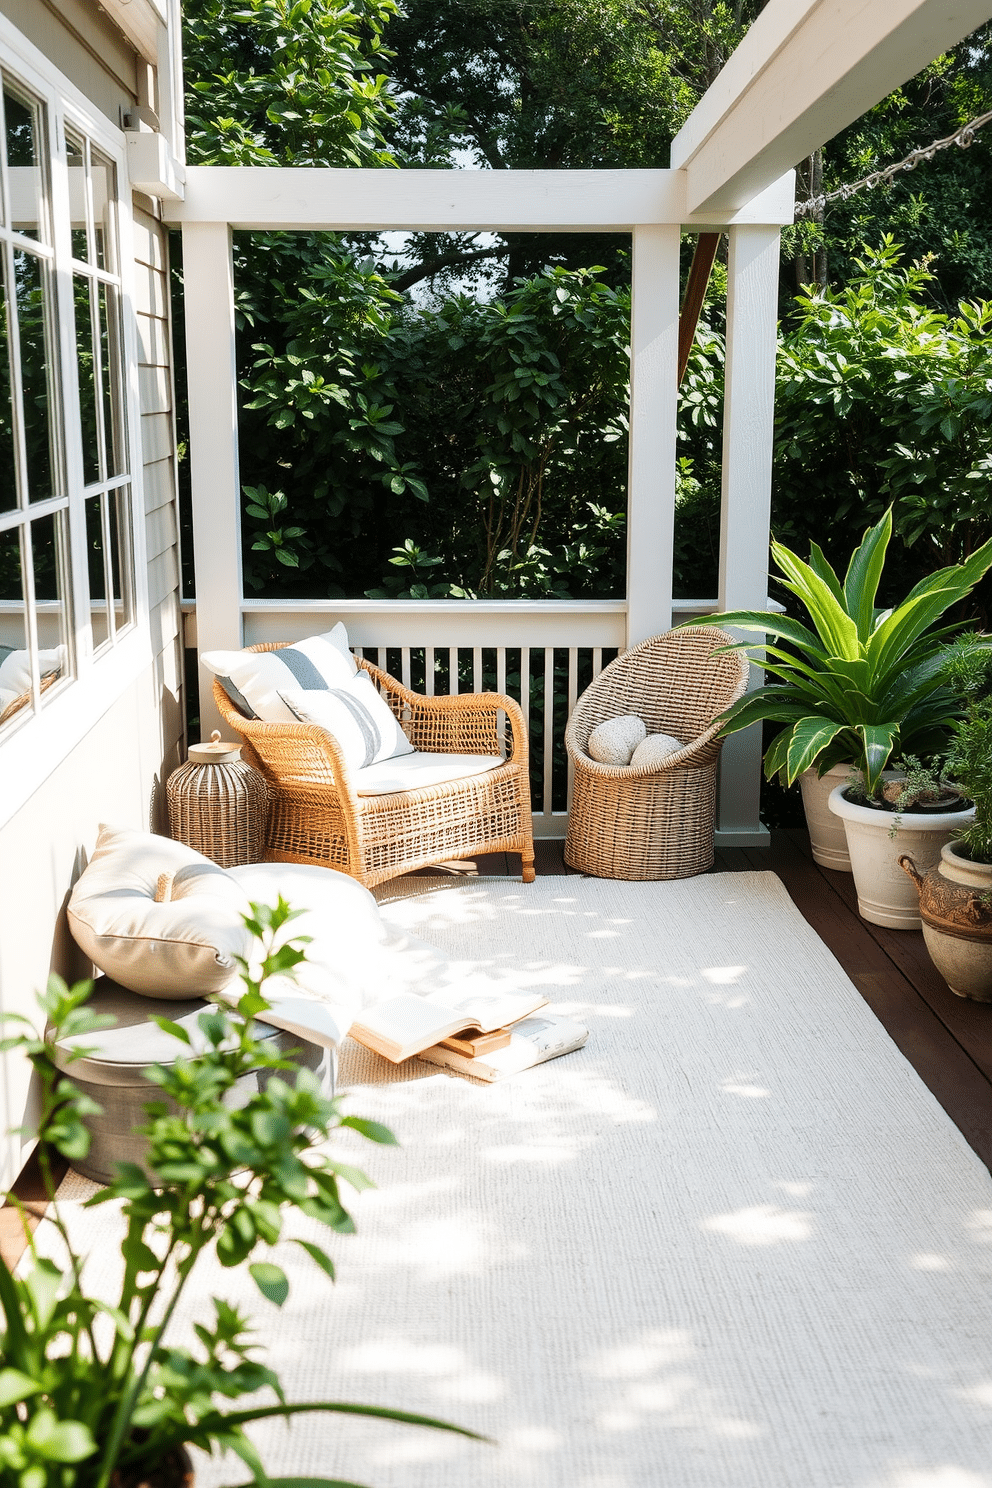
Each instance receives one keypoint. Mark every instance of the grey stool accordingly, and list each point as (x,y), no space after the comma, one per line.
(115,1073)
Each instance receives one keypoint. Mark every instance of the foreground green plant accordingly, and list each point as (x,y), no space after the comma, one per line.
(863,683)
(91,1393)
(968,672)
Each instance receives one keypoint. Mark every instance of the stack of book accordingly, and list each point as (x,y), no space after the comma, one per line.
(489,1036)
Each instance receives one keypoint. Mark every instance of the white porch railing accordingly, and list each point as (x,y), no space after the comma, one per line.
(542,653)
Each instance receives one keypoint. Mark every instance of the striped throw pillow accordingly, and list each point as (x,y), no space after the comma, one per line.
(254,680)
(362,723)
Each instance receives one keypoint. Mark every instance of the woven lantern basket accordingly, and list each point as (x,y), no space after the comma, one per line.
(219,805)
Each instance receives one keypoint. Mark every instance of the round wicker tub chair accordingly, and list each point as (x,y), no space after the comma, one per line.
(317,816)
(656,821)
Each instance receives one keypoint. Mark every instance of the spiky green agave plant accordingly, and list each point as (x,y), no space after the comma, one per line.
(863,684)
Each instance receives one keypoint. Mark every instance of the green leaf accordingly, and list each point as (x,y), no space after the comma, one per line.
(809,738)
(271,1281)
(878,740)
(322,1259)
(864,572)
(59,1441)
(373,1130)
(16,1386)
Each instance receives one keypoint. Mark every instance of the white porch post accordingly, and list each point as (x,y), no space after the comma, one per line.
(654,338)
(208,272)
(752,314)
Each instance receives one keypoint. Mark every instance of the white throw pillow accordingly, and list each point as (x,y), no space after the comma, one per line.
(183,945)
(15,669)
(655,749)
(363,724)
(614,741)
(256,678)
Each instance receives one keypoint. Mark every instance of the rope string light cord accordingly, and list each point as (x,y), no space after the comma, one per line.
(962,137)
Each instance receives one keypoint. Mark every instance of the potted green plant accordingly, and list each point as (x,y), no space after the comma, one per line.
(955,895)
(92,1395)
(858,685)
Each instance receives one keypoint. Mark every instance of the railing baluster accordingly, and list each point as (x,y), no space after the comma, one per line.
(573,694)
(597,660)
(452,670)
(501,669)
(549,726)
(477,669)
(405,672)
(429,670)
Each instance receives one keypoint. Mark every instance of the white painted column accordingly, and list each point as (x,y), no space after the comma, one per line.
(208,273)
(654,345)
(752,316)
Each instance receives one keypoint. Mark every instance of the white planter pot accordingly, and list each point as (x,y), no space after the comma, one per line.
(886,895)
(827,837)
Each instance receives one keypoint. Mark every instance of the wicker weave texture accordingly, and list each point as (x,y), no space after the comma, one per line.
(220,810)
(316,815)
(653,822)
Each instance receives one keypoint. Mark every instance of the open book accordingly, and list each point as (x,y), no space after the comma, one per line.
(403,1026)
(532,1041)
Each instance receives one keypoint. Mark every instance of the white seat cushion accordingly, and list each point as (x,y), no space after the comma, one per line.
(415,771)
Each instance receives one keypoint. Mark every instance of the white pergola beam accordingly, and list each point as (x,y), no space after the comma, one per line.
(654,361)
(212,382)
(308,199)
(804,71)
(748,425)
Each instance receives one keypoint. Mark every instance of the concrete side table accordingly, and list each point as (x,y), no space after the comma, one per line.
(115,1073)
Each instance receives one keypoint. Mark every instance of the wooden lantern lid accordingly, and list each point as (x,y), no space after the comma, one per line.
(218,752)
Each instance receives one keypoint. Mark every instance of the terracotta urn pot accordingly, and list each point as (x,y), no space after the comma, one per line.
(956,910)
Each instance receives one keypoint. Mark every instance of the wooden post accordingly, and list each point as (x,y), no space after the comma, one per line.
(208,273)
(654,338)
(752,317)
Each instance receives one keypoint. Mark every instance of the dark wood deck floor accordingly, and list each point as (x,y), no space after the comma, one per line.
(947,1039)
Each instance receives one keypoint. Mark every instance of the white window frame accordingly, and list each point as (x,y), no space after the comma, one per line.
(32,749)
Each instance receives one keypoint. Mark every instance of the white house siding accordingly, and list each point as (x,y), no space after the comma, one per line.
(115,771)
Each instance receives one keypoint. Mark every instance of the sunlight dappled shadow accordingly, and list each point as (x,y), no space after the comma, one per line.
(934,1477)
(762,1224)
(747,1091)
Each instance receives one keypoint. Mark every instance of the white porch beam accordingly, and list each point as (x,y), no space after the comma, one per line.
(749,409)
(654,360)
(308,199)
(804,71)
(208,271)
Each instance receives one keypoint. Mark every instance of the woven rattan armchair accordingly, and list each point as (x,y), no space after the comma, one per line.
(317,816)
(656,821)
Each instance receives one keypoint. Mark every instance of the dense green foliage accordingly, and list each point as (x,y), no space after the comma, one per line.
(401,469)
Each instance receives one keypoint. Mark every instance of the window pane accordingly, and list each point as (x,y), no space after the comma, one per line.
(8,477)
(111,380)
(23,127)
(48,562)
(30,277)
(104,178)
(95,560)
(120,564)
(76,155)
(81,289)
(13,633)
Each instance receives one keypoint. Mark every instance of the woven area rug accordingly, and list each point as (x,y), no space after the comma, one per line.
(732,1243)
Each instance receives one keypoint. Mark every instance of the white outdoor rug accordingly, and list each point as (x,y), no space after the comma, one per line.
(732,1243)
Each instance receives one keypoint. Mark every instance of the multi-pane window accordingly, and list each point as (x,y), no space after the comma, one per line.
(64,465)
